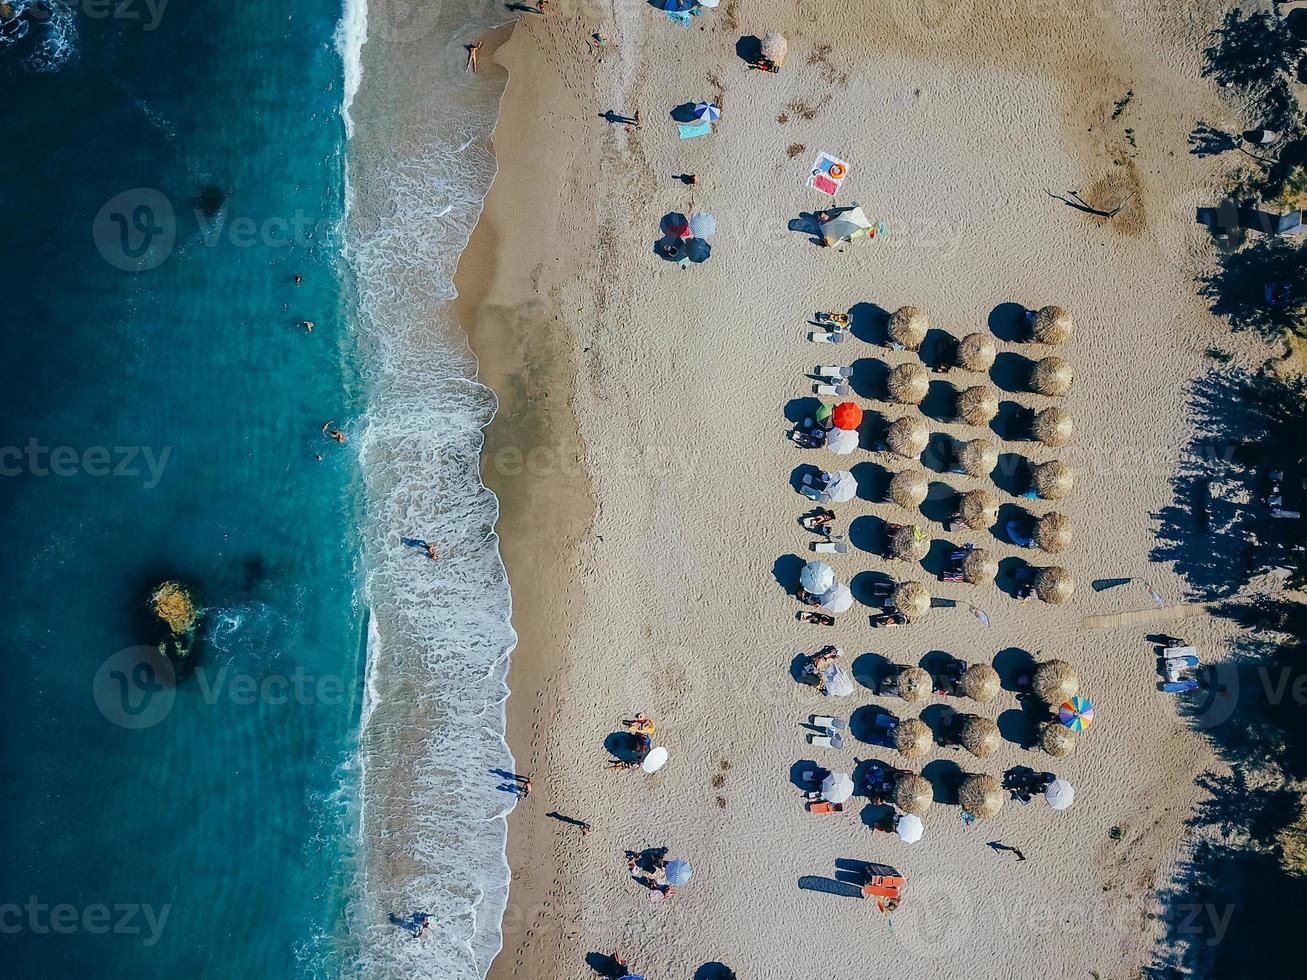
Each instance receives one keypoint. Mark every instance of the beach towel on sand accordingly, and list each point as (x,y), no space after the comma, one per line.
(690,130)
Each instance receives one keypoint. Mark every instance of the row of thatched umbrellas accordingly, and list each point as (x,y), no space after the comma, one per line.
(909,384)
(909,435)
(909,325)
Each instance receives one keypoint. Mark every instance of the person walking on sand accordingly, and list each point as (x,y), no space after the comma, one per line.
(526,788)
(472,50)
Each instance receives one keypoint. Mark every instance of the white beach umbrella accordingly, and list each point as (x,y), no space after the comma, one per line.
(836,787)
(1059,794)
(909,828)
(838,682)
(842,441)
(703,225)
(655,760)
(837,599)
(708,111)
(709,3)
(817,577)
(842,487)
(848,225)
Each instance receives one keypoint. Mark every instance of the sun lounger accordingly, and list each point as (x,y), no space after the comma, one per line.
(830,547)
(822,806)
(833,741)
(834,373)
(831,390)
(689,131)
(1186,651)
(1179,687)
(834,337)
(829,722)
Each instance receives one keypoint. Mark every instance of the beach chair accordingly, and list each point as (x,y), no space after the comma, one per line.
(831,741)
(1185,651)
(832,373)
(823,806)
(831,390)
(833,337)
(836,547)
(828,722)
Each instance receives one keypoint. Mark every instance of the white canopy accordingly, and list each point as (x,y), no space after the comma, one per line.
(655,760)
(845,226)
(838,599)
(909,828)
(817,577)
(842,488)
(1059,794)
(703,225)
(837,787)
(838,682)
(842,441)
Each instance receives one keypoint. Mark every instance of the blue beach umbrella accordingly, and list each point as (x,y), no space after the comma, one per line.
(708,111)
(678,872)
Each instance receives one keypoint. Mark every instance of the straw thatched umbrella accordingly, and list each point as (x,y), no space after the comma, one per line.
(1053,427)
(912,738)
(909,543)
(979,736)
(978,405)
(976,352)
(977,508)
(979,567)
(913,793)
(1055,681)
(909,383)
(909,488)
(908,326)
(981,795)
(1053,480)
(1051,376)
(911,599)
(908,436)
(1051,325)
(914,685)
(1053,532)
(774,48)
(1057,740)
(1054,584)
(978,457)
(980,683)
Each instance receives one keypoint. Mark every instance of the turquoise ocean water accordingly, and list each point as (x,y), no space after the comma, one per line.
(164,423)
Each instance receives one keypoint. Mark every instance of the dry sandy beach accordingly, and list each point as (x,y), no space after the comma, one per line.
(649,521)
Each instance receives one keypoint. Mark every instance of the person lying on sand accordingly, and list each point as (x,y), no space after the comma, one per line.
(472,50)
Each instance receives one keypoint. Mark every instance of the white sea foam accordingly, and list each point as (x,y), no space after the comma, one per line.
(432,811)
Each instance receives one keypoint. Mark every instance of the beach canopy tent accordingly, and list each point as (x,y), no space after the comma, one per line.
(838,682)
(980,682)
(837,787)
(842,441)
(678,872)
(909,828)
(838,599)
(908,383)
(976,352)
(1076,713)
(842,487)
(908,326)
(846,226)
(913,793)
(847,415)
(817,577)
(703,225)
(909,488)
(1055,681)
(1059,794)
(707,112)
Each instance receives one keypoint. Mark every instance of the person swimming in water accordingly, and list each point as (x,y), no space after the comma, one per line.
(334,433)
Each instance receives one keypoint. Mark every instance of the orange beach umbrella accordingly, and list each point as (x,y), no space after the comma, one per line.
(847,415)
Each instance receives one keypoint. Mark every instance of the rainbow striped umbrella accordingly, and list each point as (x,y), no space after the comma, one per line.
(1077,714)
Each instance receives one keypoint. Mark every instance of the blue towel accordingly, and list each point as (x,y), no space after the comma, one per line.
(690,130)
(680,18)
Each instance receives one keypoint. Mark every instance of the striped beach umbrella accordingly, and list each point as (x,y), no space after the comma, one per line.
(708,111)
(1077,713)
(678,872)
